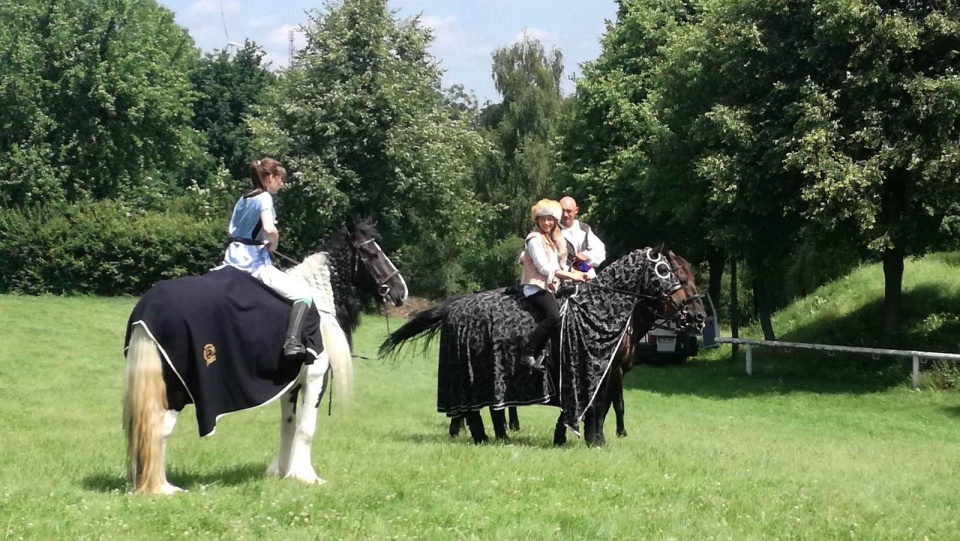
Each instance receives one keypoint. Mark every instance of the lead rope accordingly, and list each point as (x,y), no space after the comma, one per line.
(330,399)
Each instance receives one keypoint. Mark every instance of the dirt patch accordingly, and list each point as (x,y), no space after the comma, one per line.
(410,307)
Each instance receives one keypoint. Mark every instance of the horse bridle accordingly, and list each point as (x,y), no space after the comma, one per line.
(665,299)
(382,281)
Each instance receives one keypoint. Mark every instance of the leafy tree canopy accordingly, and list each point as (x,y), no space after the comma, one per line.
(361,121)
(97,100)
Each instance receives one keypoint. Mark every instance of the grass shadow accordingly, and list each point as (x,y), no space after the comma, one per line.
(442,437)
(953,411)
(104,482)
(234,476)
(779,371)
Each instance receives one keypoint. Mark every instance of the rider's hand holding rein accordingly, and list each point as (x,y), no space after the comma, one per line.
(575,275)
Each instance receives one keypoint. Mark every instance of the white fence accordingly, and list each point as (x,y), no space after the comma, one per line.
(916,355)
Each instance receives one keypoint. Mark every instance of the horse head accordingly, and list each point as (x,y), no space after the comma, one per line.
(678,299)
(692,313)
(385,277)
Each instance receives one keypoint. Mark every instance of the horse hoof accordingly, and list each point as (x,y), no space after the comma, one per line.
(621,433)
(307,479)
(481,441)
(169,489)
(273,470)
(515,427)
(598,442)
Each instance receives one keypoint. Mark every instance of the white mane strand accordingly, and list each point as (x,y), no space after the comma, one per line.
(315,272)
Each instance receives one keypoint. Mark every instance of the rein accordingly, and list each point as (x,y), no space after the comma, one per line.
(288,258)
(654,312)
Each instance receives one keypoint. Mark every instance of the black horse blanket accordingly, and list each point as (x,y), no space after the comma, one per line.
(482,334)
(221,336)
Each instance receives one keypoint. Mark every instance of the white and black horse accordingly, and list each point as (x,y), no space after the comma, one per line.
(155,391)
(481,336)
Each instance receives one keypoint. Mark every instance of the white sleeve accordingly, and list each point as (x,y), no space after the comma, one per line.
(538,256)
(597,252)
(266,203)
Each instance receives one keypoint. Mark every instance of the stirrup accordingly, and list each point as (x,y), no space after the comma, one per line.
(294,348)
(533,363)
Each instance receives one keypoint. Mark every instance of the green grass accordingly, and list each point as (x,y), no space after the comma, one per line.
(849,311)
(712,454)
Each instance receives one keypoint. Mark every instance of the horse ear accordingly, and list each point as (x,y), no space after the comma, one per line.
(655,252)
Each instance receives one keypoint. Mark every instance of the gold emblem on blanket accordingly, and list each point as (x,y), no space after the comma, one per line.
(209,354)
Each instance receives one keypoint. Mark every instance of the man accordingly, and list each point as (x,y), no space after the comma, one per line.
(584,250)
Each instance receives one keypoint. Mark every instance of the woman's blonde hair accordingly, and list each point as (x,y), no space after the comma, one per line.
(549,207)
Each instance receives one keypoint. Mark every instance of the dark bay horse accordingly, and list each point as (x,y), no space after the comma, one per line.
(481,335)
(642,319)
(155,391)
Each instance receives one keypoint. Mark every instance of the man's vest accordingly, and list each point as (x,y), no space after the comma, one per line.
(572,250)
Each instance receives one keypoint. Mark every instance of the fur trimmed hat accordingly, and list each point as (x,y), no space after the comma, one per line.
(546,207)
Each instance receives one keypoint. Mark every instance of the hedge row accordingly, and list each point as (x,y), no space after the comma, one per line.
(102,248)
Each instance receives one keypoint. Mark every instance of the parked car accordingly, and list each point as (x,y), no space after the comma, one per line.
(664,345)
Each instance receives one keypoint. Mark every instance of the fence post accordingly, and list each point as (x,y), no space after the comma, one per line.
(749,359)
(916,373)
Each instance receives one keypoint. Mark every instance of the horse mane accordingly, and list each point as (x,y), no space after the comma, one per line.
(341,258)
(315,271)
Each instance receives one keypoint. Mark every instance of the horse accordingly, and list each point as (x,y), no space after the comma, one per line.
(155,393)
(640,322)
(481,335)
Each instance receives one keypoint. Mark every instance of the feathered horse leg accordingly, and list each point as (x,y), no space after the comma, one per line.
(146,418)
(280,466)
(336,355)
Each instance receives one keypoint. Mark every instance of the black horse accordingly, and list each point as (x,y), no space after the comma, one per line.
(359,272)
(641,321)
(481,337)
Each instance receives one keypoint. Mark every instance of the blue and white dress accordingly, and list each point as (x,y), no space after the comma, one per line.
(245,224)
(255,258)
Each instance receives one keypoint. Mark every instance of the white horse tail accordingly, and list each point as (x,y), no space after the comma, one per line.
(337,348)
(144,402)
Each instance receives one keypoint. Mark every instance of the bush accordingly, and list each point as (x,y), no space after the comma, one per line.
(497,266)
(102,248)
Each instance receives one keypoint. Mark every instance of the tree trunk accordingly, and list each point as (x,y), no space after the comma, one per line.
(716,259)
(734,307)
(892,209)
(892,290)
(762,306)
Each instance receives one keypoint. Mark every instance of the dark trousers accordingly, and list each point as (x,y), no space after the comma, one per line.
(547,313)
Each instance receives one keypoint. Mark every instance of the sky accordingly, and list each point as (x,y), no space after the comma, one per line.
(466,31)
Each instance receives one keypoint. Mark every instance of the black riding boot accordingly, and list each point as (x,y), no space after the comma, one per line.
(532,355)
(292,347)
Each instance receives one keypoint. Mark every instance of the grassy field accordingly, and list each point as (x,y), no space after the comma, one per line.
(711,454)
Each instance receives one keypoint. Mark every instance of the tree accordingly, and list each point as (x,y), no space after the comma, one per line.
(778,125)
(97,100)
(625,148)
(877,128)
(228,87)
(521,128)
(361,122)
